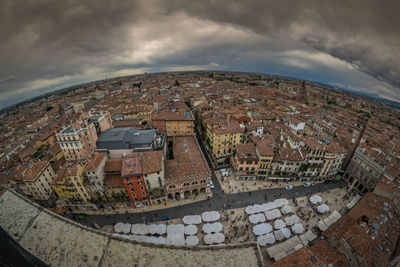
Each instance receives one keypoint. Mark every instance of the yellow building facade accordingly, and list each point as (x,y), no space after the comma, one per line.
(69,183)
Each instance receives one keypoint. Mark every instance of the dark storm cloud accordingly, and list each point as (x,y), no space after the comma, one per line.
(49,44)
(364,33)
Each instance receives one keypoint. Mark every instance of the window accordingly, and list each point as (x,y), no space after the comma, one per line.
(132,190)
(143,193)
(141,188)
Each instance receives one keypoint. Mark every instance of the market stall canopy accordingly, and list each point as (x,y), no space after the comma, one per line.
(280,202)
(286,232)
(269,206)
(209,228)
(175,230)
(298,228)
(257,218)
(216,238)
(157,240)
(159,229)
(122,227)
(140,229)
(279,224)
(290,220)
(315,199)
(190,229)
(210,216)
(286,209)
(192,240)
(263,240)
(262,229)
(323,208)
(192,219)
(174,240)
(272,214)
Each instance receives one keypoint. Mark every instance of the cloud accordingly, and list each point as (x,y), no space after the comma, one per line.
(48,44)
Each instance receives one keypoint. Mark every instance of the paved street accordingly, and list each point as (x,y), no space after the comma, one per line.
(219,201)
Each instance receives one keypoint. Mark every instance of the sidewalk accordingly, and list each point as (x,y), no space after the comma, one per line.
(232,186)
(169,204)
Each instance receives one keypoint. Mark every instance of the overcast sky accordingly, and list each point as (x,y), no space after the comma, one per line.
(48,45)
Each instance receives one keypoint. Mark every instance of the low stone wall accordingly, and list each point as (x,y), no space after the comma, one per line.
(59,241)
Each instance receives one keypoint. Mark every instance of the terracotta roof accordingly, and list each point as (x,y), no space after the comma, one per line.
(152,162)
(113,180)
(113,165)
(131,165)
(30,173)
(246,151)
(265,150)
(95,162)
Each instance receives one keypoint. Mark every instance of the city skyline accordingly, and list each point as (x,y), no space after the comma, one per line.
(49,46)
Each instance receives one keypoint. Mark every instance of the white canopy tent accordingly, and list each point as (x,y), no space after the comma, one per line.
(192,219)
(286,232)
(269,206)
(192,240)
(210,216)
(122,227)
(315,199)
(297,228)
(323,208)
(257,218)
(279,224)
(191,229)
(159,229)
(175,230)
(209,228)
(262,229)
(155,239)
(272,214)
(263,240)
(278,235)
(140,229)
(286,209)
(280,202)
(290,220)
(216,238)
(175,240)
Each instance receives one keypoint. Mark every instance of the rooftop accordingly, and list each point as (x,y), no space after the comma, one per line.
(126,138)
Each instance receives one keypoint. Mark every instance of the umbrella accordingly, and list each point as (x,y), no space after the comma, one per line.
(257,218)
(279,224)
(315,199)
(286,209)
(286,232)
(261,229)
(266,239)
(190,229)
(323,208)
(192,240)
(298,228)
(212,228)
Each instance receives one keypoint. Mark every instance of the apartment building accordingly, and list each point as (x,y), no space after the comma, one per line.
(69,183)
(94,171)
(77,139)
(265,154)
(245,162)
(175,122)
(223,140)
(35,181)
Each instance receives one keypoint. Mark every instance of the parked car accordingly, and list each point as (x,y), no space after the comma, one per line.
(288,187)
(211,185)
(307,184)
(165,218)
(312,184)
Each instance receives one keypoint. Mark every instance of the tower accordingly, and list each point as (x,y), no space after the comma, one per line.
(301,93)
